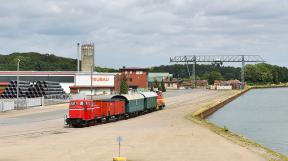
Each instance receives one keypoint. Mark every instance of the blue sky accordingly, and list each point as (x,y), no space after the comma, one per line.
(146,32)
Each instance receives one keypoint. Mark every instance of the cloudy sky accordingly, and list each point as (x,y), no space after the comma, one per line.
(146,32)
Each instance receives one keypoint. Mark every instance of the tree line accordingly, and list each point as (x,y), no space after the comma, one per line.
(265,73)
(254,73)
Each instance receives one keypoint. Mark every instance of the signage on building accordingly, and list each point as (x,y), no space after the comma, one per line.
(97,80)
(100,79)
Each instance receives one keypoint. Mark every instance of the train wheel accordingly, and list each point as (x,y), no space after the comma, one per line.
(95,121)
(87,123)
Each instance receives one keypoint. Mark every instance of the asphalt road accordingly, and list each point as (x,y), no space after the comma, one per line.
(31,118)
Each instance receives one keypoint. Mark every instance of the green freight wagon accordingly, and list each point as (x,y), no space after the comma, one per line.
(134,102)
(150,101)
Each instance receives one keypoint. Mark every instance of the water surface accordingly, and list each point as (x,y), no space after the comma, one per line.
(260,115)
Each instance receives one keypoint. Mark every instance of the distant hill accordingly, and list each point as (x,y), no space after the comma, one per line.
(37,62)
(33,61)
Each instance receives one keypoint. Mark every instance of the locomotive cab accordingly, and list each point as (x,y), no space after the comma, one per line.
(81,112)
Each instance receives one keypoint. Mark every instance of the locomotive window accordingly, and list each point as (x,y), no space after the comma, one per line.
(73,103)
(84,103)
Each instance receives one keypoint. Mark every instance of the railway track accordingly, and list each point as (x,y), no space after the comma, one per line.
(35,133)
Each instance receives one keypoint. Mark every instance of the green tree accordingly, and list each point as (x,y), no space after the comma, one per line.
(156,83)
(151,88)
(124,85)
(261,73)
(214,75)
(163,89)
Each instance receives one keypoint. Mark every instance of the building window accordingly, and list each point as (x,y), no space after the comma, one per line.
(130,79)
(130,72)
(139,72)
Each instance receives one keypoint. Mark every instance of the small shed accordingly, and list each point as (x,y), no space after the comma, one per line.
(134,102)
(150,100)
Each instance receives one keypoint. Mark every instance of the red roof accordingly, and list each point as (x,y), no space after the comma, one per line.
(4,83)
(38,72)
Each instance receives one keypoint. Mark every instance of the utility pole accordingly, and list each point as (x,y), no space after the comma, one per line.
(243,70)
(194,72)
(78,55)
(189,74)
(91,85)
(18,63)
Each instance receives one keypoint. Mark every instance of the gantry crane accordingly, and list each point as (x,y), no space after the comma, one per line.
(216,59)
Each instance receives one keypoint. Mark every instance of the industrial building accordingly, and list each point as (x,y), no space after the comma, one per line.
(95,84)
(167,78)
(152,77)
(137,78)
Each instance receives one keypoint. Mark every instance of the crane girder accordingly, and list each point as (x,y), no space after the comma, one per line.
(217,58)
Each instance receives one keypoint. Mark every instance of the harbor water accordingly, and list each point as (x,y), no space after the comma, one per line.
(260,115)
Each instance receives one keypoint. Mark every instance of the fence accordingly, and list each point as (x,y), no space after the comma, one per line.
(25,103)
(22,103)
(6,105)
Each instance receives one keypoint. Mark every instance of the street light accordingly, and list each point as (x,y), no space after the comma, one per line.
(91,79)
(18,83)
(78,59)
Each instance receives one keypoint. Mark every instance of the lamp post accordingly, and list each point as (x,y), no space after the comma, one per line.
(91,85)
(18,63)
(78,59)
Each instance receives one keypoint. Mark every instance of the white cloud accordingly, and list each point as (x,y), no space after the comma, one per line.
(146,32)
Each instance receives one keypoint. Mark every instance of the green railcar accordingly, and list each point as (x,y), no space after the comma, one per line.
(133,102)
(150,100)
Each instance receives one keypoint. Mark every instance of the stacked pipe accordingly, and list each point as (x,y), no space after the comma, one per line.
(11,90)
(47,88)
(33,89)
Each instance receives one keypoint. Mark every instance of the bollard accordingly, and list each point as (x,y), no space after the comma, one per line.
(120,159)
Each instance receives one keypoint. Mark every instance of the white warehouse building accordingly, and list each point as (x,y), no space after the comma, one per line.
(78,82)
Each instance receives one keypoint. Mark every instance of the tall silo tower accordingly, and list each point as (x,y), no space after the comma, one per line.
(87,51)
